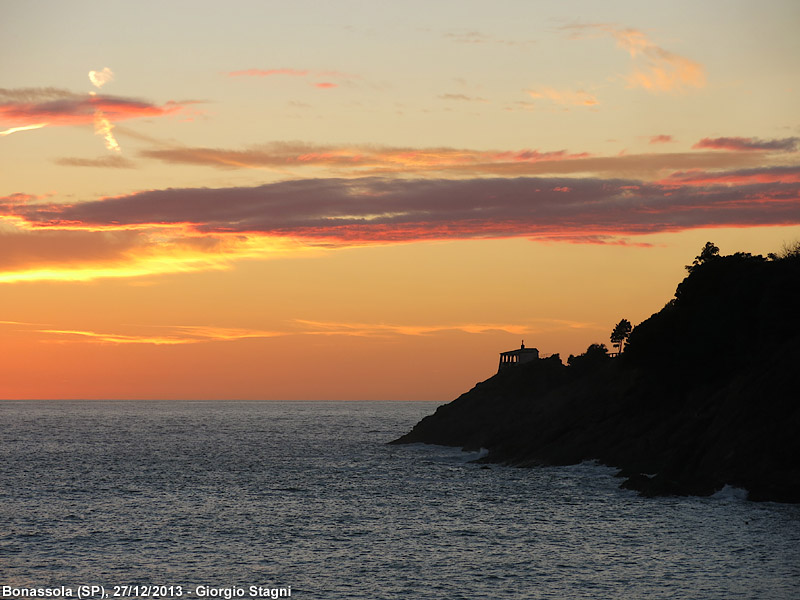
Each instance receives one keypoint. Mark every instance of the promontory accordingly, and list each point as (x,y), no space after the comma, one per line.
(706,393)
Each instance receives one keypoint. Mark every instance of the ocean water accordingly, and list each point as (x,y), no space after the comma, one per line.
(214,497)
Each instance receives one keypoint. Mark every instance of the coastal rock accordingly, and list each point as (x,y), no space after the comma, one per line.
(705,395)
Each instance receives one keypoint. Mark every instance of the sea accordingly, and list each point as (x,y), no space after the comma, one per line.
(168,499)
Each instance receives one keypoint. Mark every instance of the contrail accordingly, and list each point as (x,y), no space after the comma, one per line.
(102,126)
(22,128)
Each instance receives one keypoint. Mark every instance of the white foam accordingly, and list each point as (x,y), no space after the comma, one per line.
(728,492)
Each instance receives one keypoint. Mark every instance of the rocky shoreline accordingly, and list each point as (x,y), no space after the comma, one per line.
(706,394)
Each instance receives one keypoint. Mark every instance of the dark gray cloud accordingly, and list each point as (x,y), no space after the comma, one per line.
(377,209)
(740,144)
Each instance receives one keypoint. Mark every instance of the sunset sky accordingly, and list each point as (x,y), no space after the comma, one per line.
(369,199)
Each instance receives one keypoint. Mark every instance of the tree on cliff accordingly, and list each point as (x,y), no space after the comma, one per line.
(621,333)
(709,252)
(595,357)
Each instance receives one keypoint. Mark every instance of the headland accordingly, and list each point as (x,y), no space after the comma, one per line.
(706,393)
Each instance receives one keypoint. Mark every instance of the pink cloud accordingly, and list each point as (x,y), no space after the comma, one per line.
(661,139)
(654,68)
(325,85)
(658,69)
(59,107)
(740,144)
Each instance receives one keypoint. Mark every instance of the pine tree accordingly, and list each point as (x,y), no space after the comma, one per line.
(620,334)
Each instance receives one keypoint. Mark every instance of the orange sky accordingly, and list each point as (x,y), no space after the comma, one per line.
(370,202)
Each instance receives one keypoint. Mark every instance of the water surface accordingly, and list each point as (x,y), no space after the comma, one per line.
(309,495)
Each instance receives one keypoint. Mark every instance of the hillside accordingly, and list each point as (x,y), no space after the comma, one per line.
(705,394)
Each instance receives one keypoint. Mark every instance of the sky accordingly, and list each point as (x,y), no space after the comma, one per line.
(369,200)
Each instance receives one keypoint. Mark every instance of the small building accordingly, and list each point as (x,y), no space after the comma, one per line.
(517,357)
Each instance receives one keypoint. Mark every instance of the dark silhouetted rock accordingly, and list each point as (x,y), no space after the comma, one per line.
(706,393)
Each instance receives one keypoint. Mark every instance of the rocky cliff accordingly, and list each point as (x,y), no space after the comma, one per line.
(706,393)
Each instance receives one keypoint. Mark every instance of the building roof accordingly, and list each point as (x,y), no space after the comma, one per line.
(521,350)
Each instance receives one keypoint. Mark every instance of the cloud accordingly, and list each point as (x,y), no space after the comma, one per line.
(376,210)
(104,128)
(11,130)
(189,229)
(740,144)
(115,338)
(111,162)
(565,97)
(734,178)
(523,105)
(48,248)
(171,335)
(34,108)
(468,37)
(381,160)
(327,75)
(661,139)
(29,95)
(77,252)
(100,78)
(390,330)
(269,72)
(476,37)
(157,336)
(284,155)
(658,69)
(654,68)
(26,107)
(462,97)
